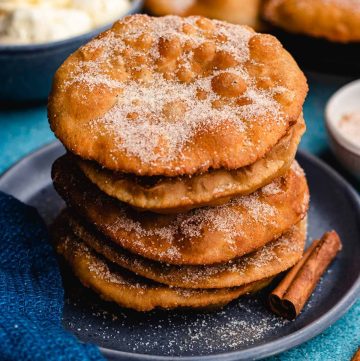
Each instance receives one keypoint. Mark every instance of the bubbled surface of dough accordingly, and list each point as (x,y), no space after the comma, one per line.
(127,290)
(268,261)
(178,194)
(173,96)
(201,236)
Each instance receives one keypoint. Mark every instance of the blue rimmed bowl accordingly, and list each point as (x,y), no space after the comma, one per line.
(342,102)
(26,71)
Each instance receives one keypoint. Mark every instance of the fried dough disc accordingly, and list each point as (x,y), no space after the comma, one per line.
(234,11)
(178,194)
(128,290)
(273,258)
(173,96)
(201,236)
(335,20)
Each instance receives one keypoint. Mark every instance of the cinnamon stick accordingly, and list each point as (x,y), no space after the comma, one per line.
(290,296)
(356,357)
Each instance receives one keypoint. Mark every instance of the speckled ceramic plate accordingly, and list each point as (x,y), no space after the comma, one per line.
(243,330)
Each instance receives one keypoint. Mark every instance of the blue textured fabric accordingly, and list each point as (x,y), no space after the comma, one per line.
(31,295)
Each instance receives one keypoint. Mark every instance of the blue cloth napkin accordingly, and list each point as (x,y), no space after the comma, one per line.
(31,293)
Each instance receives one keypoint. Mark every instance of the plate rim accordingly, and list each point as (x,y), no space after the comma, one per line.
(258,352)
(47,147)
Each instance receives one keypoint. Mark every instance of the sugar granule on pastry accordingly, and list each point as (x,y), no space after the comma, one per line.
(202,236)
(172,96)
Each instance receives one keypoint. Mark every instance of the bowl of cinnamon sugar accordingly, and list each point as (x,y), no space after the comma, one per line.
(342,115)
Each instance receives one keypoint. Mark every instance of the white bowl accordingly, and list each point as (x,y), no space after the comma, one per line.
(345,100)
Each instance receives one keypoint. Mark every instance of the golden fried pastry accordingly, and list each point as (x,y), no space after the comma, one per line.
(335,20)
(173,96)
(178,194)
(234,11)
(268,261)
(201,236)
(128,290)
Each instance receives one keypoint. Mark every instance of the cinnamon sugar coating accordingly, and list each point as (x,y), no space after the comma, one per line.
(178,194)
(201,236)
(244,12)
(173,96)
(268,261)
(128,290)
(335,20)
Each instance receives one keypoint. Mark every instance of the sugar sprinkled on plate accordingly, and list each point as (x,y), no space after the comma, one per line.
(232,328)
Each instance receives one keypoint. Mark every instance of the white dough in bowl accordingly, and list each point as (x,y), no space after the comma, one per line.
(41,21)
(39,25)
(103,11)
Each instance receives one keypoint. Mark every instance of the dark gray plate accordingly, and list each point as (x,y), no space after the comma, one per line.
(241,331)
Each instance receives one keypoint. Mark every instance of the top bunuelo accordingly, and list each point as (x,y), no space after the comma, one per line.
(172,96)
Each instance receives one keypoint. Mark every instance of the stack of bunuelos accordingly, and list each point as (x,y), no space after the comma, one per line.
(180,179)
